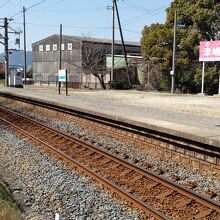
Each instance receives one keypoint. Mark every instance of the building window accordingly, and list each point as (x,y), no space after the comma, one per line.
(47,47)
(70,46)
(54,47)
(62,46)
(41,48)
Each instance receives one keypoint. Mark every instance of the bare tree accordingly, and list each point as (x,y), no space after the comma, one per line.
(94,60)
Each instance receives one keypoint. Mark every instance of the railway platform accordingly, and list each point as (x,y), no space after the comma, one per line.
(192,118)
(199,117)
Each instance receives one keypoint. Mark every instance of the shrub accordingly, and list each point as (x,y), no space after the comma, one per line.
(2,75)
(7,212)
(119,85)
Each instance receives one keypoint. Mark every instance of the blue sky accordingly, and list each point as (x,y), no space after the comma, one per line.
(81,18)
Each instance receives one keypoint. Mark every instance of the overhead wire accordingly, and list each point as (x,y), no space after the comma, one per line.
(78,10)
(144,15)
(32,6)
(48,6)
(100,29)
(1,6)
(132,20)
(64,26)
(135,6)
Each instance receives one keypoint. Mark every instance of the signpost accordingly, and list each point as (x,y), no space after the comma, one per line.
(209,51)
(62,77)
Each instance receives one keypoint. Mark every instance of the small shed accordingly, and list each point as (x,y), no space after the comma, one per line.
(15,78)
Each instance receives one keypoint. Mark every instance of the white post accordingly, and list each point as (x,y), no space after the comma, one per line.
(57,217)
(148,72)
(219,84)
(203,76)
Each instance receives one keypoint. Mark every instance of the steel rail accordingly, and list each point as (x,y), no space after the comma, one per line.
(113,122)
(165,181)
(126,195)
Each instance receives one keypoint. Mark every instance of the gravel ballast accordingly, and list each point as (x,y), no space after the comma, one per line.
(204,183)
(46,185)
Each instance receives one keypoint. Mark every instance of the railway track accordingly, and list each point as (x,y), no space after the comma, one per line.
(153,194)
(197,154)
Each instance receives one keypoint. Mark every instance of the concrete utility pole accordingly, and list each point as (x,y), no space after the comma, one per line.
(113,41)
(123,45)
(174,56)
(60,45)
(6,52)
(25,51)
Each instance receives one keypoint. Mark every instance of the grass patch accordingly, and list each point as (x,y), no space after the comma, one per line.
(9,210)
(2,81)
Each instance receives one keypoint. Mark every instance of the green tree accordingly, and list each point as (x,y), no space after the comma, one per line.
(157,48)
(197,20)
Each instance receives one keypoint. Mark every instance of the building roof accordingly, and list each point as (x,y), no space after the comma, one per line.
(91,39)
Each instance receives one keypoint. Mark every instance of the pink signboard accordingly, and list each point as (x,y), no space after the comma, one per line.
(209,51)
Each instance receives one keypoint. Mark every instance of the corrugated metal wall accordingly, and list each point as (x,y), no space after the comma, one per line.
(46,63)
(46,57)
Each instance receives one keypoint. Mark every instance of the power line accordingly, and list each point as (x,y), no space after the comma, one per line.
(38,3)
(143,15)
(135,6)
(32,6)
(75,10)
(1,6)
(135,3)
(137,20)
(135,32)
(130,21)
(48,6)
(65,26)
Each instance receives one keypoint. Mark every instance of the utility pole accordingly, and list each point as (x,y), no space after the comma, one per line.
(60,61)
(122,39)
(6,52)
(174,56)
(25,52)
(60,44)
(113,41)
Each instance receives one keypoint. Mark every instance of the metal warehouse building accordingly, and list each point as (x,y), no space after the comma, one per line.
(46,59)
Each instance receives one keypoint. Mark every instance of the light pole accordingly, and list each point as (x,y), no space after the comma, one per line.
(174,56)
